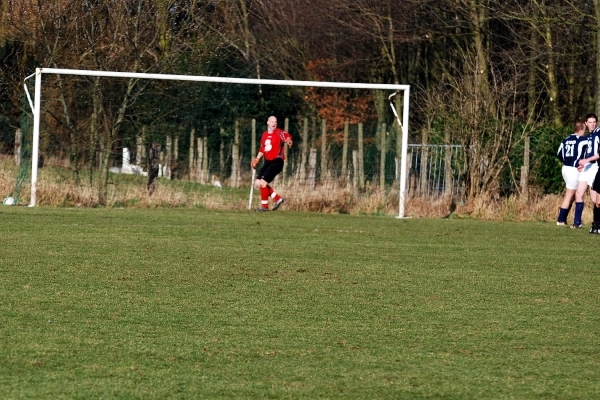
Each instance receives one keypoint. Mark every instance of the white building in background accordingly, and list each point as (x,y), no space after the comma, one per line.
(127,167)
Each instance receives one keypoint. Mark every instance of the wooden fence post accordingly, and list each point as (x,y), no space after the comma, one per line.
(175,160)
(424,170)
(139,150)
(345,149)
(205,159)
(286,127)
(235,156)
(382,157)
(154,155)
(355,169)
(199,175)
(191,155)
(449,174)
(448,177)
(323,150)
(525,171)
(168,158)
(253,140)
(361,158)
(304,152)
(18,138)
(312,168)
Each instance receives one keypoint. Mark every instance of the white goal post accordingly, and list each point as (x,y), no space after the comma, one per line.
(36,107)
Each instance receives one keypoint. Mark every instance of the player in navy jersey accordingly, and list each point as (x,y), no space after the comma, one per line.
(572,149)
(588,168)
(596,188)
(271,148)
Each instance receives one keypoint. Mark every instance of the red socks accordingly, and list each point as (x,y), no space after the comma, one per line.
(273,195)
(265,193)
(264,197)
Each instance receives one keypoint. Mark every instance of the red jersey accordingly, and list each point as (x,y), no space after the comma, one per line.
(271,144)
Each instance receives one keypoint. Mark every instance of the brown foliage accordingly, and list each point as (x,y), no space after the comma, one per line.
(336,106)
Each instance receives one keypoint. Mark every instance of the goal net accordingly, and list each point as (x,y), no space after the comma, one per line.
(123,139)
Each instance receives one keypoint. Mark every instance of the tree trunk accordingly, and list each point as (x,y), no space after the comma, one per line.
(551,72)
(478,15)
(108,143)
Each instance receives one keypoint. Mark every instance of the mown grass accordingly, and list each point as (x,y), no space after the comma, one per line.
(184,303)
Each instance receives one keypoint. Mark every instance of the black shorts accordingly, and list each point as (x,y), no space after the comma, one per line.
(596,184)
(270,169)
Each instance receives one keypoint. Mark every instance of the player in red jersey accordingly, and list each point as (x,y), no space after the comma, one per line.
(271,148)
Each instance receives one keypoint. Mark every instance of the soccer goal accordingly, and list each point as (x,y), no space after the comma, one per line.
(109,134)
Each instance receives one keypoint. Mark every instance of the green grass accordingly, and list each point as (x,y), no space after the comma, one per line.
(182,303)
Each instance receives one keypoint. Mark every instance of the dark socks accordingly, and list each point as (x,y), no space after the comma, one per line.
(562,214)
(596,214)
(578,212)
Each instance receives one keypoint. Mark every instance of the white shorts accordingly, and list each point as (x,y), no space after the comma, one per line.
(588,174)
(570,176)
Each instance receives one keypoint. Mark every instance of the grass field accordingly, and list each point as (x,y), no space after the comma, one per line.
(183,303)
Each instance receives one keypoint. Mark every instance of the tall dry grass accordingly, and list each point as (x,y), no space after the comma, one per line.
(58,189)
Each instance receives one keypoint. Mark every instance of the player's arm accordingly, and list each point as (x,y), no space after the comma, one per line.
(261,153)
(589,150)
(593,158)
(582,150)
(255,162)
(288,139)
(559,153)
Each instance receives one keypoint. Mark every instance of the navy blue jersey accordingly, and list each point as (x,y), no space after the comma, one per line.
(593,142)
(574,148)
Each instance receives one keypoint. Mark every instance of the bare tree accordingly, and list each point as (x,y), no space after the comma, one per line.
(487,130)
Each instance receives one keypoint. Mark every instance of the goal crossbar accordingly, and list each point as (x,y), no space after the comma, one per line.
(215,79)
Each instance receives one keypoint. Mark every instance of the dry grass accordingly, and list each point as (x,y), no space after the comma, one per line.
(60,190)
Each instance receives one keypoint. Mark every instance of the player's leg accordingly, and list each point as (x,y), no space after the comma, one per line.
(596,213)
(582,186)
(594,189)
(570,176)
(565,207)
(261,184)
(274,169)
(579,193)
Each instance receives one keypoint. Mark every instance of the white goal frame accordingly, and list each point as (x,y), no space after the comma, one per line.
(36,107)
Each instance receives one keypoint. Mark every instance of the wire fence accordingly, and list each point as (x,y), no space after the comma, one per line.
(435,171)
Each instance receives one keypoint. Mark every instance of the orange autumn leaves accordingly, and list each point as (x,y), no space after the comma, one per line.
(337,105)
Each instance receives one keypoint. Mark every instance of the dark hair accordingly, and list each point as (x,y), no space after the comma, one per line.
(591,115)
